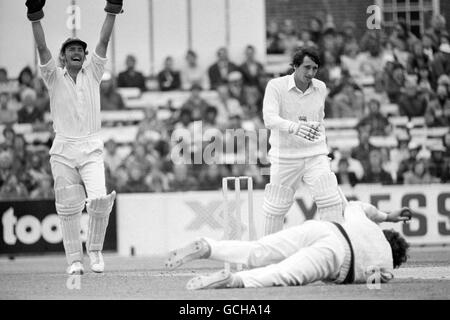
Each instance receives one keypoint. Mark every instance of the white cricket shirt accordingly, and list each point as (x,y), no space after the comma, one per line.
(75,107)
(285,104)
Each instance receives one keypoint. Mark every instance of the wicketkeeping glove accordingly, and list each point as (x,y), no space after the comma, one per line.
(305,130)
(35,12)
(114,6)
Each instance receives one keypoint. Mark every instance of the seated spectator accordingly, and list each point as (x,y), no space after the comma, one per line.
(424,80)
(236,86)
(195,103)
(13,189)
(411,103)
(350,60)
(401,37)
(398,155)
(210,120)
(252,70)
(375,173)
(438,26)
(182,180)
(6,86)
(361,152)
(136,180)
(353,165)
(42,97)
(112,158)
(7,114)
(152,125)
(441,61)
(417,59)
(437,113)
(330,72)
(446,144)
(29,113)
(316,29)
(343,175)
(110,99)
(210,177)
(168,78)
(393,80)
(408,163)
(371,62)
(419,174)
(274,39)
(156,180)
(378,123)
(348,103)
(437,165)
(44,189)
(184,120)
(192,74)
(226,106)
(290,37)
(25,79)
(131,78)
(349,31)
(305,40)
(120,178)
(429,48)
(219,71)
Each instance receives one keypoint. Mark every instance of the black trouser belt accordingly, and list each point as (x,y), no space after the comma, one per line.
(351,271)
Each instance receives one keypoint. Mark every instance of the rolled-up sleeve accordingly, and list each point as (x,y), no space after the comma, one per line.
(271,110)
(48,73)
(97,66)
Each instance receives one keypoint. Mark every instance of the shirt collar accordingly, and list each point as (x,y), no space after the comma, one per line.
(67,72)
(291,84)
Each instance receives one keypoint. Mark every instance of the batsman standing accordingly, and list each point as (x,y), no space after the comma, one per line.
(76,156)
(293,109)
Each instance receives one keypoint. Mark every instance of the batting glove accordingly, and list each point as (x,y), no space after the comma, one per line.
(35,12)
(114,6)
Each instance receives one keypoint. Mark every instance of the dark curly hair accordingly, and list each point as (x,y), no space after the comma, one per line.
(399,246)
(299,55)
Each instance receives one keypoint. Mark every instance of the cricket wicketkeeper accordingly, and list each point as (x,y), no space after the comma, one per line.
(293,110)
(76,156)
(350,252)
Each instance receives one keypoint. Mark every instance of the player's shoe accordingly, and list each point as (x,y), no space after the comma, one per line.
(97,263)
(198,249)
(75,268)
(219,280)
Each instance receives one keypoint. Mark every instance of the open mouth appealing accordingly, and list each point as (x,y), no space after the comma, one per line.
(76,59)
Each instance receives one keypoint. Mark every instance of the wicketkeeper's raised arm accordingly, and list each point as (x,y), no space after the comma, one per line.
(112,8)
(35,13)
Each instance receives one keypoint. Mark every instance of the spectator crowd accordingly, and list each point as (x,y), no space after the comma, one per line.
(409,71)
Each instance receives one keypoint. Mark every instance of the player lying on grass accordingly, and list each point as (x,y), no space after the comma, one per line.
(313,251)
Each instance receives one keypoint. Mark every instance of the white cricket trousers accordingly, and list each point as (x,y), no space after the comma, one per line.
(79,162)
(294,173)
(299,255)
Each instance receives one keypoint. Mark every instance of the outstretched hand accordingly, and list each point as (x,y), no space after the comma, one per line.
(35,12)
(404,214)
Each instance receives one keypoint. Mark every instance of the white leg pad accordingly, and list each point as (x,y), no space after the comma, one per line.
(98,210)
(328,198)
(71,229)
(278,200)
(70,201)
